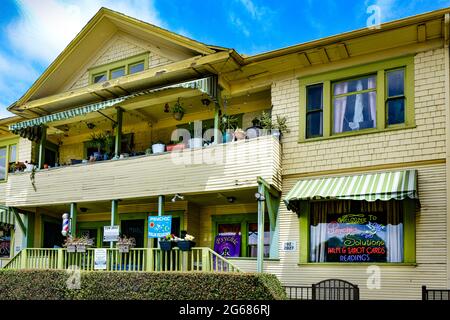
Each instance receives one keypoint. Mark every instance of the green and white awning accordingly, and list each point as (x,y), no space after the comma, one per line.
(206,85)
(383,186)
(6,216)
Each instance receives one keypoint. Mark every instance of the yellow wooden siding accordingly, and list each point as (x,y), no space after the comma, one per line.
(2,193)
(234,165)
(397,282)
(425,142)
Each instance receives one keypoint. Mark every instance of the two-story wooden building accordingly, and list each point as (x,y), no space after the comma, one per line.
(360,180)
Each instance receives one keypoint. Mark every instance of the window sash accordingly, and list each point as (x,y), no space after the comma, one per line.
(331,78)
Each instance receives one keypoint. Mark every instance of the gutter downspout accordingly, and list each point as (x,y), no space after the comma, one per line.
(447,131)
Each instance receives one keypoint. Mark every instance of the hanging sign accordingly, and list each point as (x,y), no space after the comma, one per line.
(110,233)
(228,244)
(99,259)
(159,226)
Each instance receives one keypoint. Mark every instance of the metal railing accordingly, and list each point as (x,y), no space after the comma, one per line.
(435,294)
(137,259)
(330,289)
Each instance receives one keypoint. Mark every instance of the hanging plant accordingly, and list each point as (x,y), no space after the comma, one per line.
(178,110)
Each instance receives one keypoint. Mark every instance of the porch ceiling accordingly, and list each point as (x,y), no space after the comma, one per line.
(242,196)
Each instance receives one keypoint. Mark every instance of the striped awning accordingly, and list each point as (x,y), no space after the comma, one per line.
(382,186)
(6,216)
(206,85)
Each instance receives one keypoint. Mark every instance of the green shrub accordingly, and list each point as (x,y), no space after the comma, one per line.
(52,285)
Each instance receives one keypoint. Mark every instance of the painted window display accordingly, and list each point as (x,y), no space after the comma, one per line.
(370,233)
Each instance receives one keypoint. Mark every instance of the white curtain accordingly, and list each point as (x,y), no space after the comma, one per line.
(318,240)
(340,106)
(394,233)
(373,100)
(358,113)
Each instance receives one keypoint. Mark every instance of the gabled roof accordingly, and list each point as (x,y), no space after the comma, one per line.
(93,36)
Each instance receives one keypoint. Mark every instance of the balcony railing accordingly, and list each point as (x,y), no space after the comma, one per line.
(137,259)
(214,168)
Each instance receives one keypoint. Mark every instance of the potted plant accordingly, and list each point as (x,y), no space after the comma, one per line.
(124,244)
(158,147)
(178,110)
(239,134)
(187,243)
(228,124)
(167,243)
(176,145)
(98,140)
(266,122)
(74,244)
(280,127)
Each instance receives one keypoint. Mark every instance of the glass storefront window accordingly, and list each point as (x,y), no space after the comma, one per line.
(253,240)
(353,231)
(5,242)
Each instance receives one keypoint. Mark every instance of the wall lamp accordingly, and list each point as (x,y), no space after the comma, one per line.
(259,196)
(177,196)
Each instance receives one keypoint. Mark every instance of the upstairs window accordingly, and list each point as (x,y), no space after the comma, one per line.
(395,97)
(354,104)
(99,78)
(314,111)
(137,67)
(358,100)
(119,68)
(119,72)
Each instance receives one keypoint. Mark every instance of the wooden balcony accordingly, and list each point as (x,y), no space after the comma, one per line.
(224,167)
(137,259)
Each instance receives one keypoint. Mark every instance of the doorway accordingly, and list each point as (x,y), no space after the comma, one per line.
(134,229)
(52,237)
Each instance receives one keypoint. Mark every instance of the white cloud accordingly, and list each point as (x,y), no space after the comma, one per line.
(46,27)
(43,29)
(237,22)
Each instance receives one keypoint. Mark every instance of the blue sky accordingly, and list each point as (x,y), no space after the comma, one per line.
(34,32)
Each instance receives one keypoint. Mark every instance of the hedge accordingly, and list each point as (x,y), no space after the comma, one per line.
(52,285)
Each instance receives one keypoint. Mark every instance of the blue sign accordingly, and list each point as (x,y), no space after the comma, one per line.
(159,227)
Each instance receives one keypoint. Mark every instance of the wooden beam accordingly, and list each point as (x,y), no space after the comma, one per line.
(272,190)
(260,243)
(304,60)
(42,142)
(19,221)
(421,32)
(118,141)
(323,55)
(73,219)
(343,52)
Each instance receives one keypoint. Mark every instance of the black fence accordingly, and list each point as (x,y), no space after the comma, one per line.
(435,294)
(331,289)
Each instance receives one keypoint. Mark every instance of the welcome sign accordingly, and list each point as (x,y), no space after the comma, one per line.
(228,244)
(159,227)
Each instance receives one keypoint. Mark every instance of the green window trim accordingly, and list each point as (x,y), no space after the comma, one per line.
(380,69)
(409,237)
(126,63)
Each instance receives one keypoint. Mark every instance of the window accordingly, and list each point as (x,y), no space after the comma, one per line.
(5,241)
(237,235)
(314,111)
(137,67)
(357,231)
(99,78)
(354,104)
(8,157)
(3,155)
(119,68)
(253,240)
(119,72)
(395,102)
(362,99)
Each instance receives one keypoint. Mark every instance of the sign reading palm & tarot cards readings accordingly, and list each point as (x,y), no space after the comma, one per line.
(357,237)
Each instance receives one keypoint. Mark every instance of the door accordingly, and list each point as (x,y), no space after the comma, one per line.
(134,229)
(52,235)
